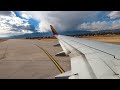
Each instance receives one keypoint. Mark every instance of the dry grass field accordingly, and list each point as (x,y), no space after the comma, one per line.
(115,39)
(1,40)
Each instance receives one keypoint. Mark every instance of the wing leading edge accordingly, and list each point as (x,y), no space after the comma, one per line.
(90,59)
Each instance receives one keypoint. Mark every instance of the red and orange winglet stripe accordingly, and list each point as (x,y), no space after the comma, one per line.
(53,30)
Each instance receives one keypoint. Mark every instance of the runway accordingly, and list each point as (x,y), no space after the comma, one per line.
(22,59)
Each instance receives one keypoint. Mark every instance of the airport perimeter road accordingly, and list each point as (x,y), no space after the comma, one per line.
(22,59)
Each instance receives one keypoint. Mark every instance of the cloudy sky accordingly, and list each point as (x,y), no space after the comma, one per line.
(22,22)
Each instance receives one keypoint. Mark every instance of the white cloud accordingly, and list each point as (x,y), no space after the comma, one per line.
(7,33)
(26,16)
(95,25)
(114,14)
(62,20)
(11,25)
(116,24)
(13,14)
(103,25)
(100,25)
(6,13)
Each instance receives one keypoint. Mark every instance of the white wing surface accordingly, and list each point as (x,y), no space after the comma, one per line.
(90,59)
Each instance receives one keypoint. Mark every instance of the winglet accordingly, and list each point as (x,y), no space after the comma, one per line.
(53,30)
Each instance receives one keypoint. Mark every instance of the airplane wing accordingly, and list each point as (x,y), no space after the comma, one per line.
(90,59)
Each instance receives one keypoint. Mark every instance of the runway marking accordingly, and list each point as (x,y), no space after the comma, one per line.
(53,60)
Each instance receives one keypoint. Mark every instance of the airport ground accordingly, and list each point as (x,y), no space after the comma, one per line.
(22,59)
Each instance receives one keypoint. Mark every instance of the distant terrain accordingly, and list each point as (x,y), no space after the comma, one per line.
(1,40)
(114,39)
(110,36)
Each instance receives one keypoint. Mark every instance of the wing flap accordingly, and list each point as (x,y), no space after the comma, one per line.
(57,45)
(62,53)
(102,65)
